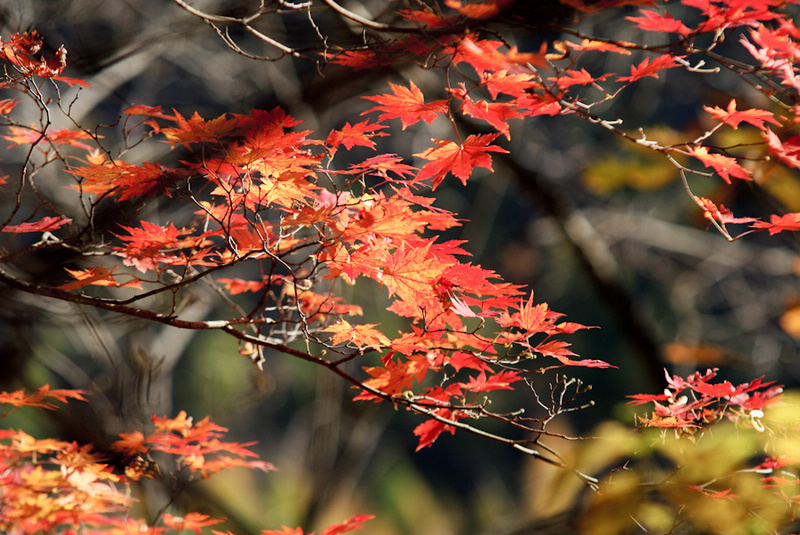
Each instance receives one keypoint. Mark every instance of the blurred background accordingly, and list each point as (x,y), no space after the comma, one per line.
(600,229)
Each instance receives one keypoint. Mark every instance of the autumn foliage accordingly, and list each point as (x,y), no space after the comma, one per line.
(52,486)
(277,219)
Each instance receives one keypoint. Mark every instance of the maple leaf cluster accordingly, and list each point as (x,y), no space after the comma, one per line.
(695,402)
(49,485)
(195,445)
(21,50)
(257,186)
(515,85)
(54,486)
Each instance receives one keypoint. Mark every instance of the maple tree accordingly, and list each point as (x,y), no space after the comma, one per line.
(278,220)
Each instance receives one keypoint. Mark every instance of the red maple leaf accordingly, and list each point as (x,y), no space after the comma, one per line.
(238,286)
(429,431)
(581,77)
(407,104)
(780,223)
(494,113)
(725,166)
(719,213)
(45,224)
(462,359)
(640,399)
(732,14)
(382,165)
(650,68)
(558,349)
(717,390)
(788,151)
(352,135)
(502,81)
(656,22)
(486,55)
(450,157)
(498,381)
(150,111)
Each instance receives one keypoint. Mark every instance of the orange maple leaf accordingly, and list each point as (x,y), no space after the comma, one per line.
(335,529)
(600,46)
(391,218)
(131,443)
(37,399)
(361,335)
(97,276)
(286,189)
(238,286)
(410,273)
(479,10)
(152,244)
(192,521)
(715,494)
(6,105)
(395,375)
(125,179)
(198,130)
(24,136)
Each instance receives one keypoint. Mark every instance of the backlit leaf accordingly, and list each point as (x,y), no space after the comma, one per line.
(46,224)
(450,157)
(408,105)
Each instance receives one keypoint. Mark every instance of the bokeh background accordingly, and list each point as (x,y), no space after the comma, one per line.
(600,229)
